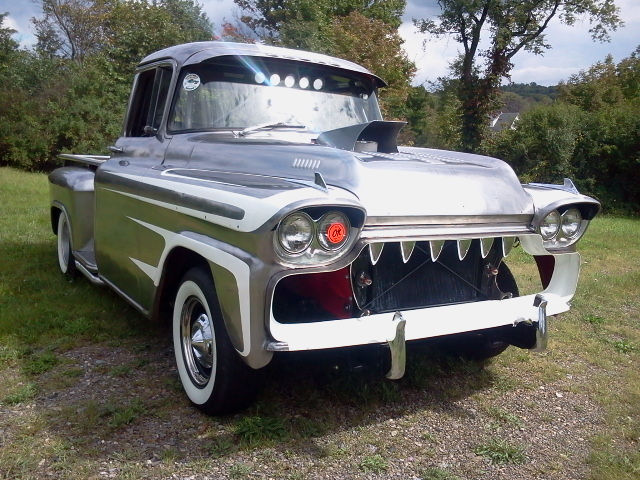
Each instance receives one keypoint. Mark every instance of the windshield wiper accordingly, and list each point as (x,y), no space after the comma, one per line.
(267,126)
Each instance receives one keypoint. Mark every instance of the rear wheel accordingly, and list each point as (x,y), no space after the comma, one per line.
(66,260)
(213,375)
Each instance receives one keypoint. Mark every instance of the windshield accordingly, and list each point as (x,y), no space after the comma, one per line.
(243,93)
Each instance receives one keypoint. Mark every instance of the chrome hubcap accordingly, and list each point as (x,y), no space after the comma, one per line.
(202,341)
(197,341)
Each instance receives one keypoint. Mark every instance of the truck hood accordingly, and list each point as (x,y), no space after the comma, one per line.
(410,182)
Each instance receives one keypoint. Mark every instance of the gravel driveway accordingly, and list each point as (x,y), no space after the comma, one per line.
(119,412)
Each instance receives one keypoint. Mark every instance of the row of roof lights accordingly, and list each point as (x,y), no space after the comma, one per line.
(289,81)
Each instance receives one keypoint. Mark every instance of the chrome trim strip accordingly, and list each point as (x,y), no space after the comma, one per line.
(95,160)
(499,221)
(417,233)
(94,279)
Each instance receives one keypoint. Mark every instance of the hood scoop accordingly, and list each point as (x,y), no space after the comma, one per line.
(375,136)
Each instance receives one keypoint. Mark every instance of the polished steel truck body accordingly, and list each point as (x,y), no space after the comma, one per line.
(257,199)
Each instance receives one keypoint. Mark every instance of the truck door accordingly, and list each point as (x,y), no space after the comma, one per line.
(122,185)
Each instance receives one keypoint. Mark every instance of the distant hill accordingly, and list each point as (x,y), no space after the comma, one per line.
(520,97)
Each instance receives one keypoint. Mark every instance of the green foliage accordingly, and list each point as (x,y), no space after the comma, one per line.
(591,134)
(499,451)
(70,94)
(374,464)
(377,46)
(137,28)
(436,473)
(40,363)
(21,394)
(306,24)
(121,415)
(256,430)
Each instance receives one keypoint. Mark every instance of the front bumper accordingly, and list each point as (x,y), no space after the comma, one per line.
(436,321)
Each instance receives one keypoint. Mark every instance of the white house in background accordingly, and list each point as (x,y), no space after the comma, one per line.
(504,121)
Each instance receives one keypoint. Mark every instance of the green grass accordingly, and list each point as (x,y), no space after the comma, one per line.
(373,464)
(43,317)
(500,451)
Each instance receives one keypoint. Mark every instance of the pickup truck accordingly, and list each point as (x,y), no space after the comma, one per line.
(257,200)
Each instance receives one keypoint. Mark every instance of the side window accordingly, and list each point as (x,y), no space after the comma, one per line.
(149,101)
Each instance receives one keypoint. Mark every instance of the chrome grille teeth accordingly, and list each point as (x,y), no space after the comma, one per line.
(485,246)
(375,250)
(435,247)
(507,245)
(463,248)
(407,249)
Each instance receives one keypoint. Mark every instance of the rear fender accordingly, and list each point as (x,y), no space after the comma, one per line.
(72,191)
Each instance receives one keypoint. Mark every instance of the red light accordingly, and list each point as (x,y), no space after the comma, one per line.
(336,232)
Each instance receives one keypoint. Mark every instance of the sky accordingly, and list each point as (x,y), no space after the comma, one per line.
(573,50)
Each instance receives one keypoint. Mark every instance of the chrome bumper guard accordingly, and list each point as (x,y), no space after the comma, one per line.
(542,333)
(398,348)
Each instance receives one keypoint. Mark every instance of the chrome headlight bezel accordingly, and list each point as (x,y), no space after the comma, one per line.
(296,224)
(333,235)
(571,220)
(333,231)
(561,227)
(550,225)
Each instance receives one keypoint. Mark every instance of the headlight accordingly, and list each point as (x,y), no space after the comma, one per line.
(295,232)
(550,225)
(333,230)
(571,221)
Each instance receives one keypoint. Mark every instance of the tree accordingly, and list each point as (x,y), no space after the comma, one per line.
(377,46)
(70,29)
(7,44)
(136,28)
(306,24)
(513,26)
(129,29)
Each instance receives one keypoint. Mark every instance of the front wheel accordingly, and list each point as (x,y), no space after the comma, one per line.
(66,260)
(213,375)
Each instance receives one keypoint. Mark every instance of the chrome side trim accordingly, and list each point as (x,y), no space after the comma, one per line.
(95,160)
(277,346)
(94,279)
